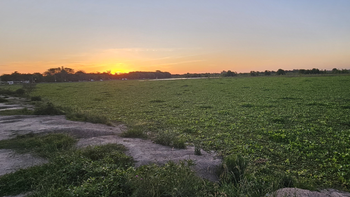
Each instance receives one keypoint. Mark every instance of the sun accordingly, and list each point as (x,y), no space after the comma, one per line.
(119,71)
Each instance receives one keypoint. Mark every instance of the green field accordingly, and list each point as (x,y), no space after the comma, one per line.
(298,126)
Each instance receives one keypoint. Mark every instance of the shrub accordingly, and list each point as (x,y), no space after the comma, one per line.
(48,109)
(20,92)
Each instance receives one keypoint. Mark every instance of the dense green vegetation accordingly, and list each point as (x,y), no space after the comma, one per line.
(296,125)
(94,171)
(272,131)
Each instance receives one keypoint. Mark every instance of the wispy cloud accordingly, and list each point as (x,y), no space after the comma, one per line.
(183,62)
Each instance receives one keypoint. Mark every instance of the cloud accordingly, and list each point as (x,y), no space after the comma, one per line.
(142,49)
(183,62)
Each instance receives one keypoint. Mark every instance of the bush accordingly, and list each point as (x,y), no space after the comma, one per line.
(20,92)
(48,109)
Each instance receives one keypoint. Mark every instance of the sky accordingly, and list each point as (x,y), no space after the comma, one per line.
(177,36)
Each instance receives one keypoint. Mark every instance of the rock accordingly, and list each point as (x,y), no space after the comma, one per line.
(296,192)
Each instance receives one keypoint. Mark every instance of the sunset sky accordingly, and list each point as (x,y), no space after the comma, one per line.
(177,36)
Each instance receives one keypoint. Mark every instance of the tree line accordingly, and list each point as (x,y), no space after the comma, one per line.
(62,74)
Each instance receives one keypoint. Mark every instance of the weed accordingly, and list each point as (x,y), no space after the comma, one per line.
(197,149)
(234,167)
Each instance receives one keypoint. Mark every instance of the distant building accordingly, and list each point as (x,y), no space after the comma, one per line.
(10,82)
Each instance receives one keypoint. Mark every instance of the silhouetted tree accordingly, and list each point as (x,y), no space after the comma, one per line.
(267,72)
(281,72)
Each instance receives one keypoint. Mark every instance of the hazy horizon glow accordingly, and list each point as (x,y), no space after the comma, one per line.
(175,36)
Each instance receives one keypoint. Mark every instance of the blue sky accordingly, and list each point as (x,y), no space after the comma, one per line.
(175,36)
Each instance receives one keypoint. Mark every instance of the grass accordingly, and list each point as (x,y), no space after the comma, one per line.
(300,125)
(3,100)
(48,109)
(170,138)
(77,115)
(42,145)
(137,131)
(95,171)
(24,111)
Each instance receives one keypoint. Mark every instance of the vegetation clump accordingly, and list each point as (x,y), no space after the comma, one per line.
(35,98)
(234,168)
(48,109)
(170,138)
(95,171)
(42,145)
(76,115)
(137,131)
(24,111)
(3,100)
